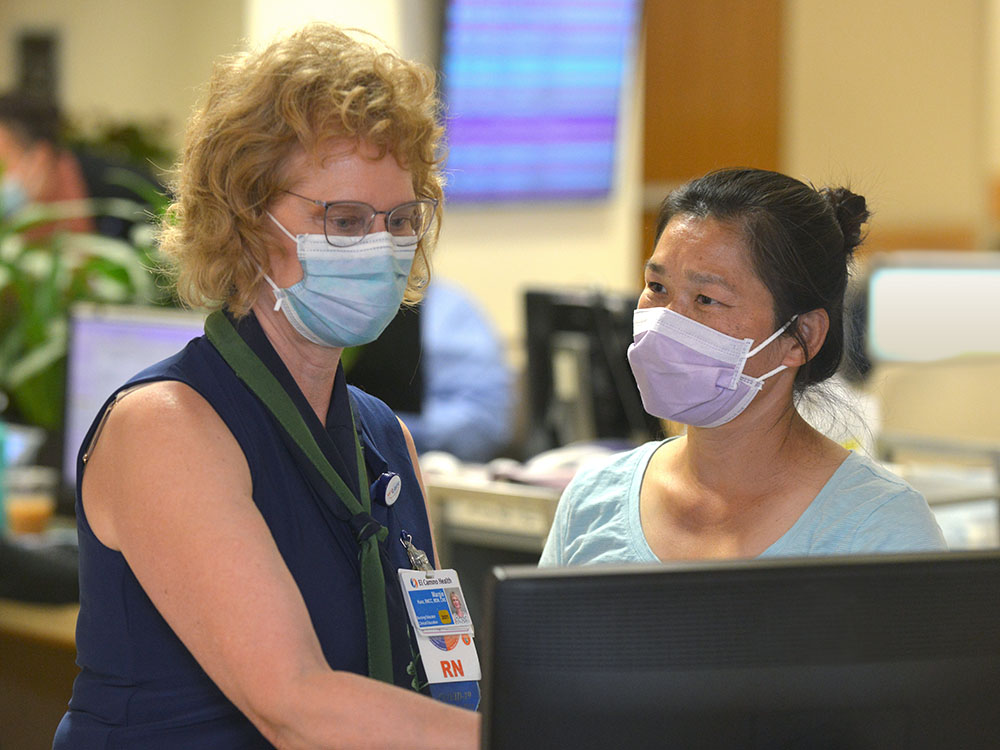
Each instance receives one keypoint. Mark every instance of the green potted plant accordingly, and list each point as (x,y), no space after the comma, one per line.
(41,275)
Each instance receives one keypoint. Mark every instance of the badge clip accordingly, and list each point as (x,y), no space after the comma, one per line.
(418,558)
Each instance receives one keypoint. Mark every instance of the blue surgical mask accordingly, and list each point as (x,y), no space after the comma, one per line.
(13,196)
(347,295)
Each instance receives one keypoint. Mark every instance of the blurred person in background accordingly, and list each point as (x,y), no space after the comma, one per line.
(441,367)
(39,169)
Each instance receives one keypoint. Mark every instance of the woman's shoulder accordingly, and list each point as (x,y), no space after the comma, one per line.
(594,520)
(198,365)
(867,480)
(155,439)
(369,405)
(610,469)
(602,486)
(879,511)
(163,393)
(374,415)
(147,410)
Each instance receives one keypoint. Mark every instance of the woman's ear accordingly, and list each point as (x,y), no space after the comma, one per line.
(812,329)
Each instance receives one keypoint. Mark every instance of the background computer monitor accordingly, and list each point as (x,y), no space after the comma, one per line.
(108,344)
(391,367)
(579,383)
(871,652)
(925,305)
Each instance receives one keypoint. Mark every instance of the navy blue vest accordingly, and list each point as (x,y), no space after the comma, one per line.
(139,685)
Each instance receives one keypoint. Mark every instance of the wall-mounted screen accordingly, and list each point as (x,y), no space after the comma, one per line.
(532,90)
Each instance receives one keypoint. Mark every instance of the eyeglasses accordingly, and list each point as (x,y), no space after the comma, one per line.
(346,223)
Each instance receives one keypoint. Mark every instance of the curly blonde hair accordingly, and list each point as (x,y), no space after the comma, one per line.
(259,108)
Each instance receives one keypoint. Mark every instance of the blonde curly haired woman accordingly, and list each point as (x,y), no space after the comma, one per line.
(237,542)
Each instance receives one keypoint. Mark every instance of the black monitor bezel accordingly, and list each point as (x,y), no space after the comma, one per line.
(961,631)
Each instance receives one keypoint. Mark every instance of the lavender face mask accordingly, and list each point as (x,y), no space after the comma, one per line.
(690,373)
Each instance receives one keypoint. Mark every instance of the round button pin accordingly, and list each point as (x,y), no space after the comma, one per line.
(392,489)
(387,487)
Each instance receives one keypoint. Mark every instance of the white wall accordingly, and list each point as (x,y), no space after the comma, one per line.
(497,251)
(890,96)
(266,18)
(992,88)
(137,60)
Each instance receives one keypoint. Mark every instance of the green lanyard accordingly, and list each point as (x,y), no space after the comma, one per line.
(254,373)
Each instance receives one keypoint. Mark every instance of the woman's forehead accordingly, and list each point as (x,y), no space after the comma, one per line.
(341,166)
(693,238)
(706,250)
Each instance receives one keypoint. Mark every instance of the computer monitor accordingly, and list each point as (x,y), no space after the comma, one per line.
(108,344)
(580,386)
(925,305)
(391,367)
(887,652)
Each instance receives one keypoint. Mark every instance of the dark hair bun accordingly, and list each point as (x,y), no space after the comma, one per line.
(851,212)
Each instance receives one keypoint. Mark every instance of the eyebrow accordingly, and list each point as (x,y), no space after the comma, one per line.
(654,267)
(698,277)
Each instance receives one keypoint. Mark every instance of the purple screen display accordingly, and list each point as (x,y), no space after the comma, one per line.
(532,92)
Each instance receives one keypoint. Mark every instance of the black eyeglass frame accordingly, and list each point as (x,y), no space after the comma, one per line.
(325,205)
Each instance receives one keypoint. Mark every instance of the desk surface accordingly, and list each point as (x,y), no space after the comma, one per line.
(472,509)
(54,624)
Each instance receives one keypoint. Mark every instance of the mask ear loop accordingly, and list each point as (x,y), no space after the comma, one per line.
(279,297)
(772,337)
(775,371)
(767,341)
(290,236)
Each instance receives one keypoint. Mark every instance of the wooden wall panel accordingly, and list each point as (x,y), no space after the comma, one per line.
(920,237)
(712,93)
(713,74)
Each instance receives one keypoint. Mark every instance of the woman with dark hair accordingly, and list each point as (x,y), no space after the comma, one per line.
(742,308)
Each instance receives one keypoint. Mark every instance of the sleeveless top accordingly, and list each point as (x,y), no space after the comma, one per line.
(139,685)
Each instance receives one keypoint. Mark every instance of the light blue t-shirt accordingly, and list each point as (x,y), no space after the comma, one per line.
(862,509)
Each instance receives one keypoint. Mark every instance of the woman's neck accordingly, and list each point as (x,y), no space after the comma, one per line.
(713,495)
(313,367)
(740,460)
(760,455)
(732,490)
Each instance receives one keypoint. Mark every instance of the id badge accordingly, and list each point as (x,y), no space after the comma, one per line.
(443,627)
(435,602)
